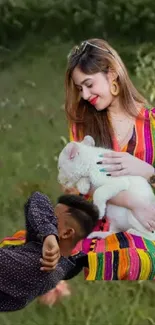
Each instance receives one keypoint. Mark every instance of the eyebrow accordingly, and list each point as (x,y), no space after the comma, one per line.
(87,79)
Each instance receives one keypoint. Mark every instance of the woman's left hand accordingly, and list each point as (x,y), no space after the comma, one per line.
(122,163)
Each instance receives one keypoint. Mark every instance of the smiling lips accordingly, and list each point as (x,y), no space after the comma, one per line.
(93,100)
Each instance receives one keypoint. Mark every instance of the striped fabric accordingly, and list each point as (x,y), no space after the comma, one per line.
(17,239)
(120,256)
(123,256)
(141,145)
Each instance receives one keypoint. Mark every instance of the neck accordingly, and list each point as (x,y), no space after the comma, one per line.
(65,247)
(116,107)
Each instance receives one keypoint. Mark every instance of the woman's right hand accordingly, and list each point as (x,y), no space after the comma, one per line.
(145,214)
(143,211)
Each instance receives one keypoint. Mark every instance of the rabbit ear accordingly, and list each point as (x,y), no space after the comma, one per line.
(88,141)
(72,150)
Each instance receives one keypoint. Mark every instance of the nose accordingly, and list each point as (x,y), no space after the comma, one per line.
(85,93)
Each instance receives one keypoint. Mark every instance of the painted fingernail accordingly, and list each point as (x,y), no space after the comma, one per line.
(102,170)
(108,174)
(100,155)
(152,232)
(99,163)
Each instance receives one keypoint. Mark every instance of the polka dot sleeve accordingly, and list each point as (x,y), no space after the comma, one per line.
(40,218)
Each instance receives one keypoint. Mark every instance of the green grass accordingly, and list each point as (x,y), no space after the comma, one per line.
(32,122)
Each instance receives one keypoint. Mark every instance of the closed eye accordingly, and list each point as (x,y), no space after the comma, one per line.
(79,88)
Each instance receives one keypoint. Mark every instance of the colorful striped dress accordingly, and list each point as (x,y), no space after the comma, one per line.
(124,256)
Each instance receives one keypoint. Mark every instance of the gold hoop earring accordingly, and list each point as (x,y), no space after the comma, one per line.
(114,88)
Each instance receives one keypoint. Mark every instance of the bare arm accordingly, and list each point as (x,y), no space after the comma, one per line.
(124,199)
(143,210)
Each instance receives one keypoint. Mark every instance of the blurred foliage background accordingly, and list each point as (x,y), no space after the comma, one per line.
(35,38)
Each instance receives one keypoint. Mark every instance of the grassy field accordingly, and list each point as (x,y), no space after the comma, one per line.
(32,125)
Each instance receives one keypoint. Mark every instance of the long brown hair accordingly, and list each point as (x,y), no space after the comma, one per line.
(92,56)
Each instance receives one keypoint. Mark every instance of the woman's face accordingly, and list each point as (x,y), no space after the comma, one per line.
(94,88)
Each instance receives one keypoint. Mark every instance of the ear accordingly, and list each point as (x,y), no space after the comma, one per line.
(68,233)
(88,141)
(72,150)
(112,75)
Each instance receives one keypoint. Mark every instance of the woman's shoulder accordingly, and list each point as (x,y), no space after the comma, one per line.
(150,110)
(148,113)
(150,117)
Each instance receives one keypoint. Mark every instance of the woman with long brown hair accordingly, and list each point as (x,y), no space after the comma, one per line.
(102,101)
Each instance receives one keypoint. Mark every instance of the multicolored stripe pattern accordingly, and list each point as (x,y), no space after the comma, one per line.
(142,143)
(120,256)
(17,239)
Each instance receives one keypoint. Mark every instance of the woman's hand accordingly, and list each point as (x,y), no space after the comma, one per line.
(122,163)
(144,212)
